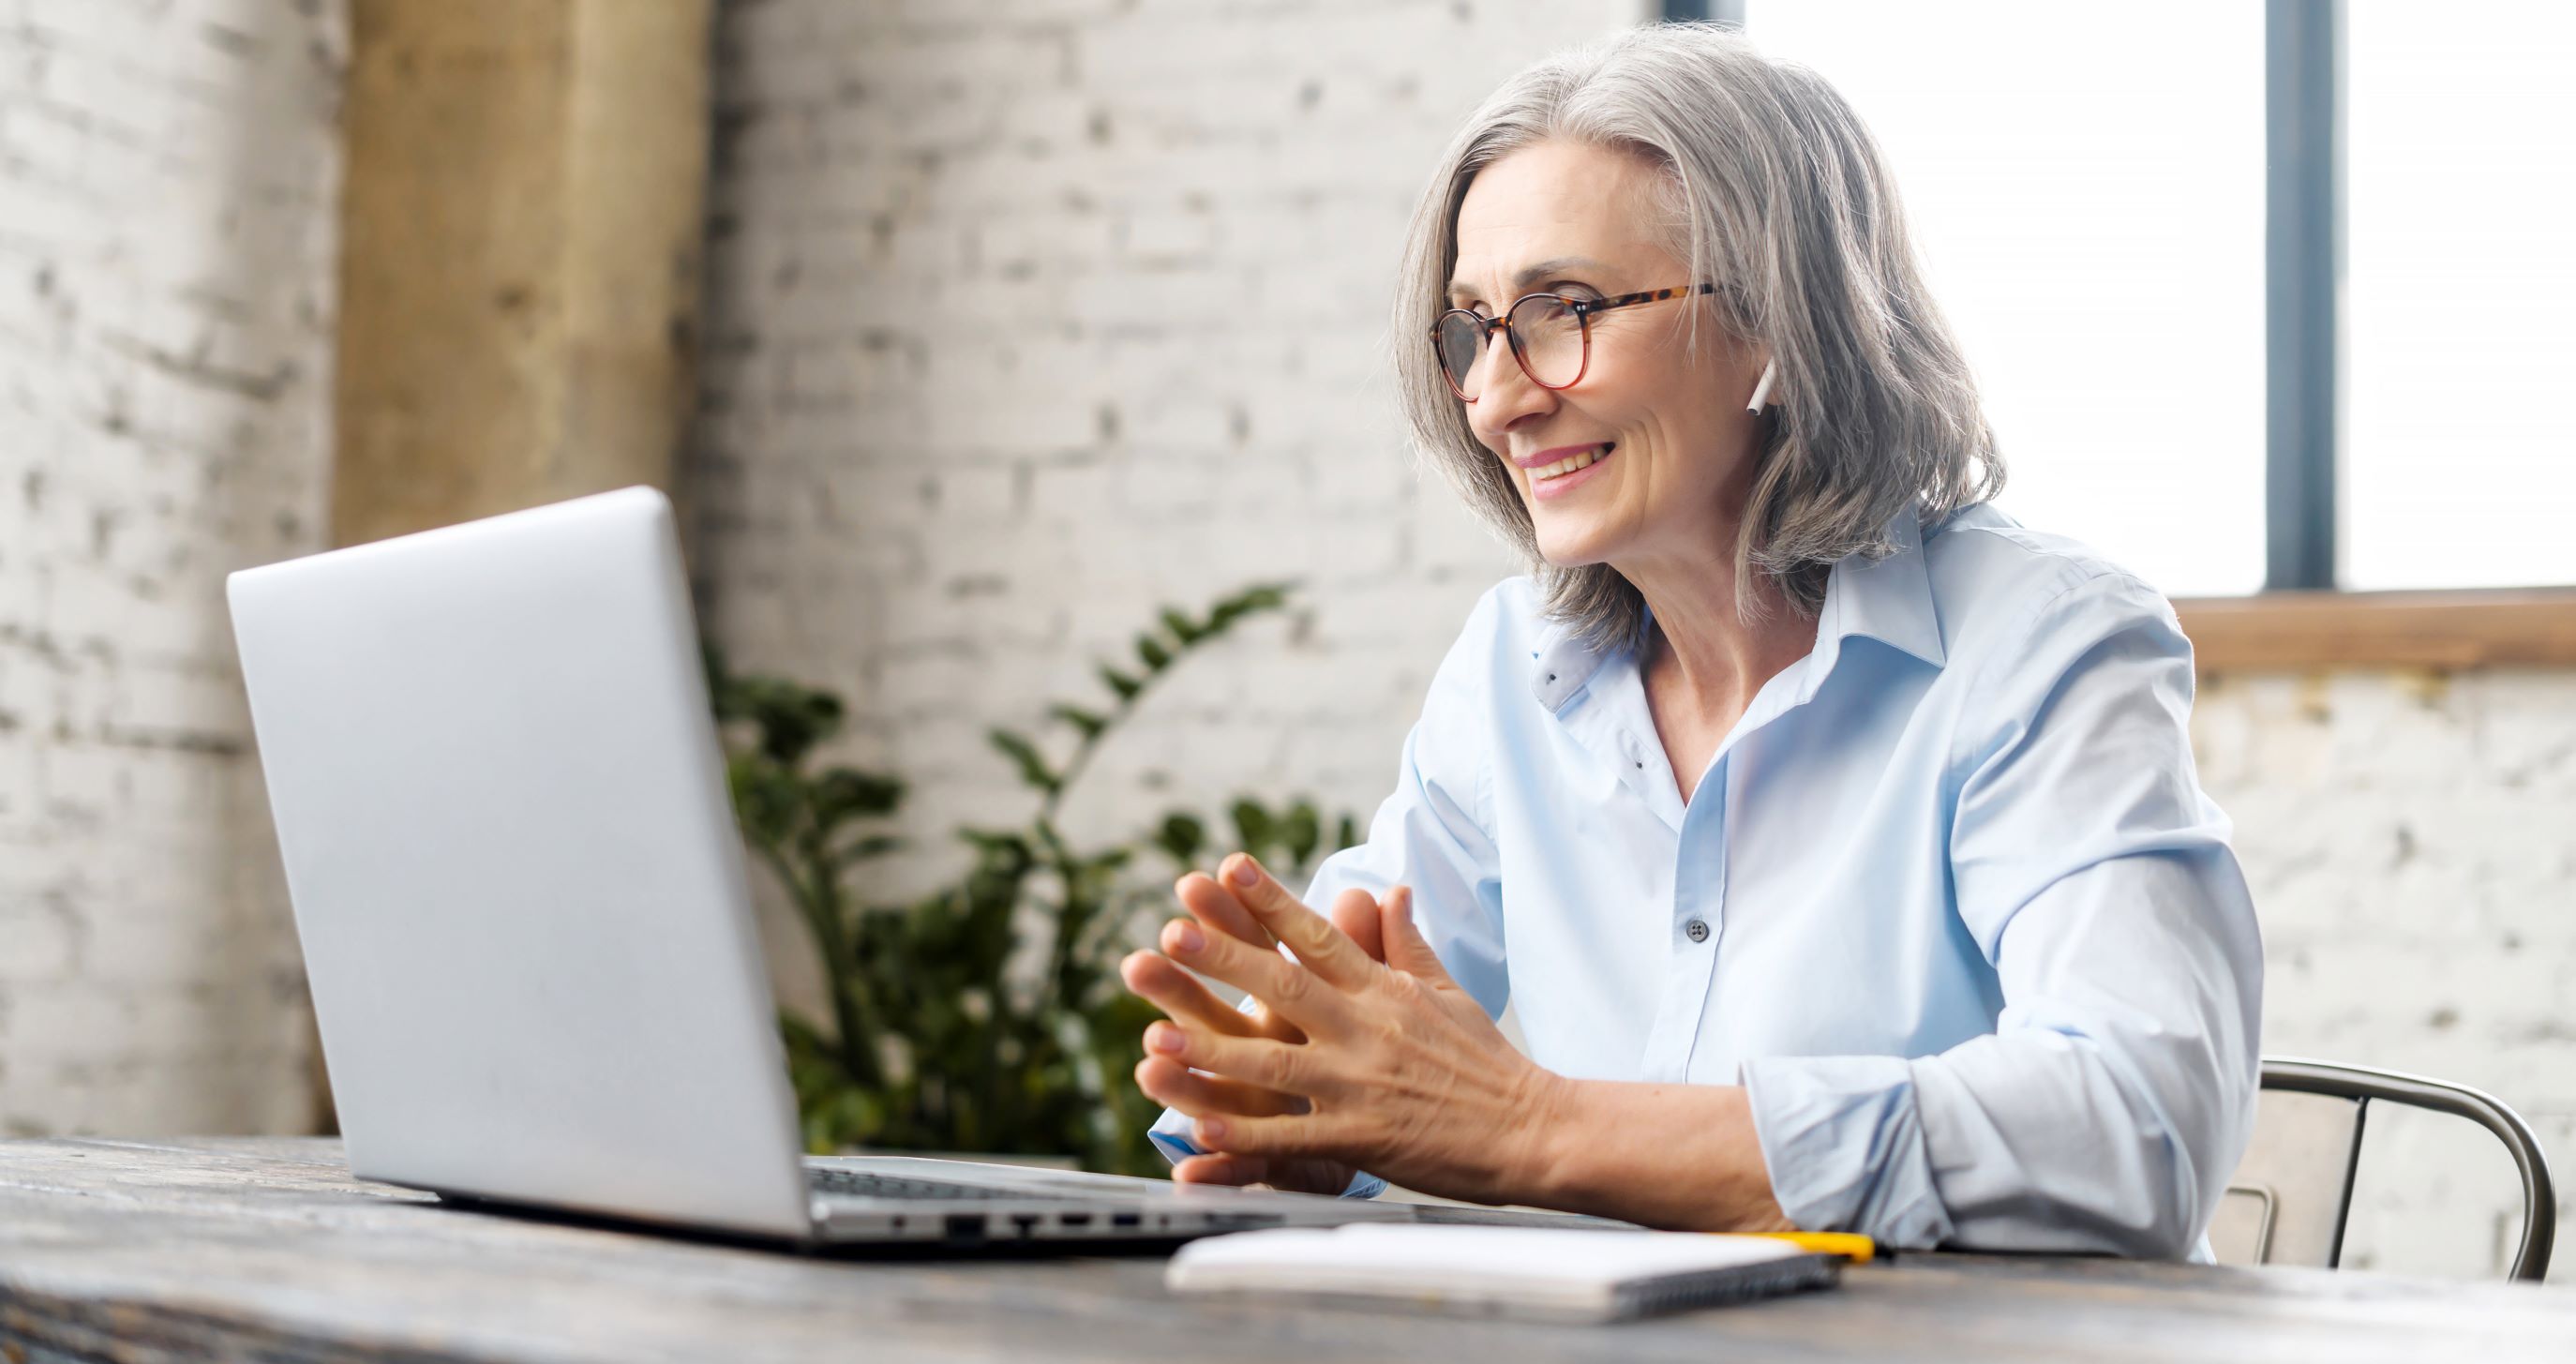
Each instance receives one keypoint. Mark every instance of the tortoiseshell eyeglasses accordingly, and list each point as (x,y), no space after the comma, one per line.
(1551,336)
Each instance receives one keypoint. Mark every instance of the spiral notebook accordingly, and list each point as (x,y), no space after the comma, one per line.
(1524,1273)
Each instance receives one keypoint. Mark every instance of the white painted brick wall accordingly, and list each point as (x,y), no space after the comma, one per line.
(2411,841)
(169,173)
(1026,318)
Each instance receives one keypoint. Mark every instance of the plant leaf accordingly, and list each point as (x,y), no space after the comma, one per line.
(1007,846)
(1151,650)
(874,845)
(1301,831)
(1181,626)
(1121,683)
(1250,601)
(1252,825)
(1090,723)
(768,800)
(846,793)
(1033,768)
(1264,597)
(1182,836)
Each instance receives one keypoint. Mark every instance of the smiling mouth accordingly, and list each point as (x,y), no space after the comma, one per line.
(1573,463)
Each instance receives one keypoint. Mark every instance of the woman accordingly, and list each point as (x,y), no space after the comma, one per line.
(1837,838)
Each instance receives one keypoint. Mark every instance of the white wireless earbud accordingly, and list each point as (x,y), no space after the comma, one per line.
(1762,390)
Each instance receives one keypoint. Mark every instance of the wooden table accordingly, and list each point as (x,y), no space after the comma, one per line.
(266,1250)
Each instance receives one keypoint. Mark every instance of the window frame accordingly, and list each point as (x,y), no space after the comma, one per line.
(2301,619)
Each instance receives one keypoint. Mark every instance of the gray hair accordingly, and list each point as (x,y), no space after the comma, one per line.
(1773,189)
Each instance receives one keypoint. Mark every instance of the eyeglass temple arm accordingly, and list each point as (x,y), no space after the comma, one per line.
(1649,296)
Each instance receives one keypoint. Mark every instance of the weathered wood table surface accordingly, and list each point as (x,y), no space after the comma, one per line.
(267,1250)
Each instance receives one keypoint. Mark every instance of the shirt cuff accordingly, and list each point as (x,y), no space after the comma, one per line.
(1171,1136)
(1844,1143)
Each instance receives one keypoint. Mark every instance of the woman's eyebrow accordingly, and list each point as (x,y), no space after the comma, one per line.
(1532,274)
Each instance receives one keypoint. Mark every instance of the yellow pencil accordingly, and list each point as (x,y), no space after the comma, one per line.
(1851,1246)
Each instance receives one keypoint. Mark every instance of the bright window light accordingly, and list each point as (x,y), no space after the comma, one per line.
(2085,184)
(2460,353)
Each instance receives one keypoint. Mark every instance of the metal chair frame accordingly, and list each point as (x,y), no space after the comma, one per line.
(2364,1085)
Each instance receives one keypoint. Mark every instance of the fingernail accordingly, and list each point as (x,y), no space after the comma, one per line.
(1188,938)
(1165,1038)
(1247,872)
(1211,1131)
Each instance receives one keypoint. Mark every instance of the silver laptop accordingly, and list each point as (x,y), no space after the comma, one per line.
(500,800)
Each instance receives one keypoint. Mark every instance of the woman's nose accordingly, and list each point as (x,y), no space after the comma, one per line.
(1508,393)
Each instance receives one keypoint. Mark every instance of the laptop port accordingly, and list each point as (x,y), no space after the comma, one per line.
(1027,1222)
(966,1226)
(1126,1219)
(1073,1219)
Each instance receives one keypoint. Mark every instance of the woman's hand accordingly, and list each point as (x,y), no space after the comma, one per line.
(1365,1058)
(1179,994)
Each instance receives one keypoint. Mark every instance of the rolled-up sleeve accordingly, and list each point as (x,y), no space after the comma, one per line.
(1430,833)
(2111,1103)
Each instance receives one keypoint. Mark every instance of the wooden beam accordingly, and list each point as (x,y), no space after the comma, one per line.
(521,227)
(2302,630)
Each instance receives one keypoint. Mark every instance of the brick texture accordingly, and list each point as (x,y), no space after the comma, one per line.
(167,176)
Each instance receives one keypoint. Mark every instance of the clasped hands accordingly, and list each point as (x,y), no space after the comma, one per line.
(1360,1054)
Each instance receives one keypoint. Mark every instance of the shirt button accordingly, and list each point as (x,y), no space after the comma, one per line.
(1697,929)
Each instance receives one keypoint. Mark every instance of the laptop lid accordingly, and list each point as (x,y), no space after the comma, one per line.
(500,801)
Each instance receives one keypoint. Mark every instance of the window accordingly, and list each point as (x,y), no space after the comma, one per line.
(2459,450)
(2086,190)
(2261,296)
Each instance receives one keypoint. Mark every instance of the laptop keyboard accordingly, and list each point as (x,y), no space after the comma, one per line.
(862,1184)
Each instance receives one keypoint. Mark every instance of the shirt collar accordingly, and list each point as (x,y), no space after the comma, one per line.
(1887,599)
(1561,663)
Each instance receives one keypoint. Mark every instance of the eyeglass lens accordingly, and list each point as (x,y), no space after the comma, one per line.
(1548,339)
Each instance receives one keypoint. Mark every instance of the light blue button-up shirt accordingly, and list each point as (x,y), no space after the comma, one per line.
(1948,900)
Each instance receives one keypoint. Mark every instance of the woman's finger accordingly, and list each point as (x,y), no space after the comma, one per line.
(1255,1061)
(1324,949)
(1356,913)
(1215,906)
(1220,1168)
(1296,1176)
(1288,989)
(1174,1085)
(1282,1139)
(1154,978)
(1406,949)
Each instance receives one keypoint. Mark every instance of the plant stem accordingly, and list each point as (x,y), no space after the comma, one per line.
(819,903)
(1067,919)
(851,1008)
(1082,756)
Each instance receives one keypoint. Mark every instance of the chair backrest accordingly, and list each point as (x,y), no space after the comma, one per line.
(2292,1194)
